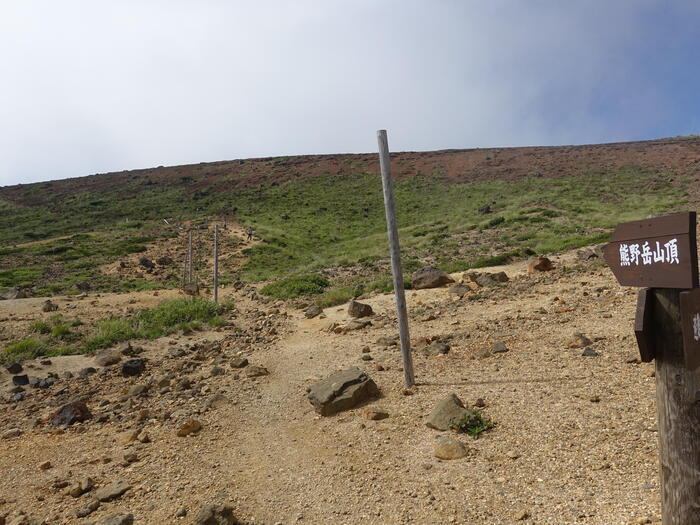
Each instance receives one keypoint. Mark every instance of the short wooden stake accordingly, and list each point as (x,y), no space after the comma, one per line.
(678,409)
(396,270)
(216,263)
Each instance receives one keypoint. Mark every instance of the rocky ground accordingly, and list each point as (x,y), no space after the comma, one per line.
(222,417)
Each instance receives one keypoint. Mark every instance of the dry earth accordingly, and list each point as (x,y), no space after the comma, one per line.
(575,438)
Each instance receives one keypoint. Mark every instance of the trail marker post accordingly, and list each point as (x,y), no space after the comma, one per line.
(396,270)
(216,263)
(189,256)
(661,253)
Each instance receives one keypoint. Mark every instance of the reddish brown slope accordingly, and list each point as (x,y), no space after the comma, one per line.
(679,156)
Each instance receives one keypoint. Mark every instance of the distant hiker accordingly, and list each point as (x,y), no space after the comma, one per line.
(249,232)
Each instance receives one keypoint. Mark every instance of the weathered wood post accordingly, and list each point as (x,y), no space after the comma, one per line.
(661,253)
(216,263)
(678,410)
(189,256)
(396,270)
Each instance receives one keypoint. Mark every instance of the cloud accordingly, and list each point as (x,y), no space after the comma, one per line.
(104,86)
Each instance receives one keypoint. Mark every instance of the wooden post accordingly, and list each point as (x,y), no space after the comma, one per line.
(216,263)
(392,230)
(189,256)
(678,409)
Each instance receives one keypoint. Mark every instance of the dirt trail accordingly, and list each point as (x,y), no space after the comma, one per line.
(575,438)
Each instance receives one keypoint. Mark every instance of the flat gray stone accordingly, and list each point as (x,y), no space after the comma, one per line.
(108,357)
(342,390)
(112,491)
(444,412)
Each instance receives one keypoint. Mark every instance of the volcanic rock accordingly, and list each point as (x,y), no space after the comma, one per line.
(342,390)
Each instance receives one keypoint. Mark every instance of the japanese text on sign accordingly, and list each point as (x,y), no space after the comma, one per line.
(636,254)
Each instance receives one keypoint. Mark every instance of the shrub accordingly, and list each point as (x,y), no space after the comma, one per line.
(472,422)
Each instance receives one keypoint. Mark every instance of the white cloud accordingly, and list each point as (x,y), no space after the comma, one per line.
(94,86)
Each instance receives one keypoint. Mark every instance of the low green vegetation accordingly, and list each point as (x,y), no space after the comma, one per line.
(179,314)
(325,221)
(473,422)
(300,285)
(59,336)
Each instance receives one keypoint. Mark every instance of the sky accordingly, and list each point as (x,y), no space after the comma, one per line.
(93,86)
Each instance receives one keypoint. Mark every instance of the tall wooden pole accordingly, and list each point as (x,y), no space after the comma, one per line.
(189,257)
(678,409)
(396,270)
(216,263)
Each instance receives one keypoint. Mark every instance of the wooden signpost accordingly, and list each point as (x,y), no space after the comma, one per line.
(660,254)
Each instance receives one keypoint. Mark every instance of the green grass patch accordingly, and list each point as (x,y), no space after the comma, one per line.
(300,285)
(170,316)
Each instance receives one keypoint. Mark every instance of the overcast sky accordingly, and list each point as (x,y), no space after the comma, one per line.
(95,86)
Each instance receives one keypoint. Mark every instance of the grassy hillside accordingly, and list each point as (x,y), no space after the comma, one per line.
(311,223)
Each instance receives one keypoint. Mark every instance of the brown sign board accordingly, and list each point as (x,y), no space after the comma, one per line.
(660,252)
(690,324)
(642,325)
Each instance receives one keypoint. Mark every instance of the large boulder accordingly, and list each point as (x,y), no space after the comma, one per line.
(342,390)
(444,412)
(430,277)
(356,309)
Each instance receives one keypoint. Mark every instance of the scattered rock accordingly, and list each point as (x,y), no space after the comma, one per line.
(191,426)
(74,412)
(14,293)
(356,309)
(85,485)
(12,433)
(342,390)
(239,362)
(447,447)
(84,372)
(499,348)
(256,371)
(14,368)
(458,290)
(133,367)
(541,264)
(49,306)
(165,261)
(117,519)
(112,491)
(436,348)
(216,401)
(88,509)
(375,414)
(212,514)
(191,289)
(579,341)
(430,277)
(146,263)
(589,352)
(20,380)
(108,357)
(313,311)
(586,254)
(444,412)
(46,465)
